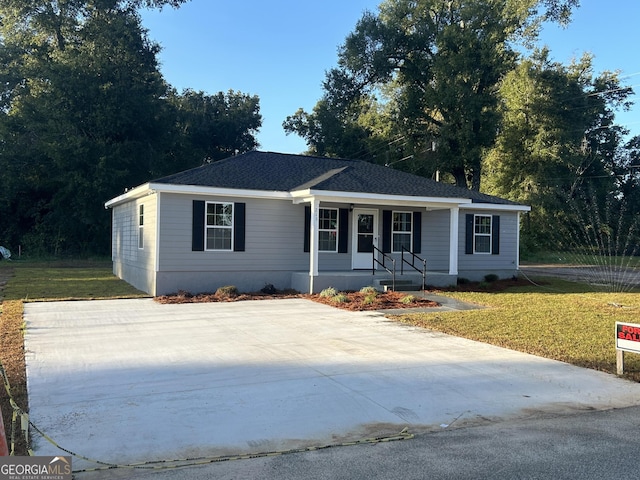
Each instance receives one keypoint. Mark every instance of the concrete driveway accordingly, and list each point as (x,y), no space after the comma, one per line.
(126,381)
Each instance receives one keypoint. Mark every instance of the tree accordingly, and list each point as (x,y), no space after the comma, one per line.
(212,127)
(557,142)
(82,115)
(344,123)
(441,62)
(85,112)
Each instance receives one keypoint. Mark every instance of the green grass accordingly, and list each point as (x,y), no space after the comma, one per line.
(560,320)
(64,280)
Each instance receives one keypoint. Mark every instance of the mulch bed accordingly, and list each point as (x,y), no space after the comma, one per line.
(355,301)
(383,301)
(186,297)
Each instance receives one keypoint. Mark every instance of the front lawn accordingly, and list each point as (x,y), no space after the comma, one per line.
(64,280)
(557,319)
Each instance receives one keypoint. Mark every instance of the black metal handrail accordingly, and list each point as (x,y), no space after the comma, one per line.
(382,264)
(423,271)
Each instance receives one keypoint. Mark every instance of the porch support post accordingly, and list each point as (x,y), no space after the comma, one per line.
(518,243)
(313,253)
(454,215)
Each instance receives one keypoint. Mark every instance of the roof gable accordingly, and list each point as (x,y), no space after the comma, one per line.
(269,171)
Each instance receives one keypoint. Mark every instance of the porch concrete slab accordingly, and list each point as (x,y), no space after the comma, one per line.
(125,381)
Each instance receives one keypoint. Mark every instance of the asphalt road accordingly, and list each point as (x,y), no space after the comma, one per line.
(614,278)
(586,445)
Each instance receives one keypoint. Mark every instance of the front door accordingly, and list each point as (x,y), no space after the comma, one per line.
(365,228)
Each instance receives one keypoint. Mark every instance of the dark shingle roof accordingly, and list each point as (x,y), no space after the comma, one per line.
(270,171)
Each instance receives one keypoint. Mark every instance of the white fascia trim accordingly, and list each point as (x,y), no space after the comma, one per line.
(220,192)
(152,188)
(304,196)
(133,194)
(496,206)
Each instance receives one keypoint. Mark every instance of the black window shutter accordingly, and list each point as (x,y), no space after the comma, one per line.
(239,226)
(307,228)
(417,232)
(197,225)
(495,235)
(343,230)
(468,244)
(386,231)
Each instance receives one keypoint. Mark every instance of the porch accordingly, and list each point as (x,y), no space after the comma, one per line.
(356,279)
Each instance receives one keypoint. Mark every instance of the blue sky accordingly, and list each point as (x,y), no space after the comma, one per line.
(281,49)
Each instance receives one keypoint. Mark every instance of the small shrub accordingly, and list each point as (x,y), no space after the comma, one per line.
(484,286)
(370,298)
(228,291)
(269,289)
(463,281)
(490,277)
(340,298)
(408,299)
(329,292)
(369,290)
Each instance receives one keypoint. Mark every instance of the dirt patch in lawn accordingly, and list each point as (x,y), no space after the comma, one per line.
(354,301)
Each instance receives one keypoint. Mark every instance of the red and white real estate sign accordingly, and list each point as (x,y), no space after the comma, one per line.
(628,337)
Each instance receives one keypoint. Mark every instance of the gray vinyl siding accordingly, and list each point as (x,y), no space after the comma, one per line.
(273,237)
(435,240)
(475,266)
(274,245)
(133,264)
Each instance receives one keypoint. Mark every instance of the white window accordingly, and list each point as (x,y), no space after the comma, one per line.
(219,226)
(401,231)
(328,230)
(482,234)
(141,227)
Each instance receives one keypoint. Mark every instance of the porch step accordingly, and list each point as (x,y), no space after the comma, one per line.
(400,286)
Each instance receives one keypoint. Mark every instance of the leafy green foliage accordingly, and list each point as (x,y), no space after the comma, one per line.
(438,65)
(85,112)
(557,144)
(213,127)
